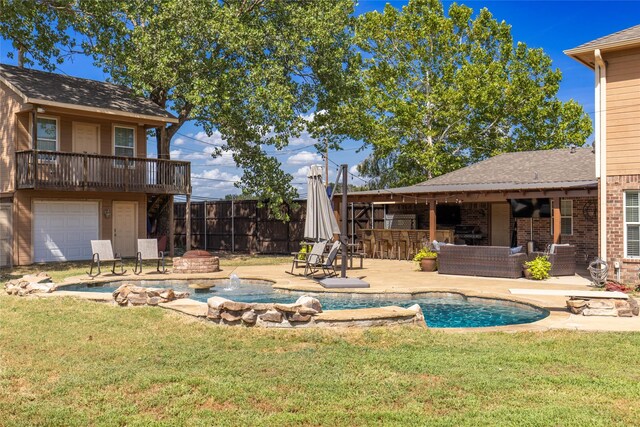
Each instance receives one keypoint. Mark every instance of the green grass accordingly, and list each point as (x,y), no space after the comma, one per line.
(69,362)
(61,270)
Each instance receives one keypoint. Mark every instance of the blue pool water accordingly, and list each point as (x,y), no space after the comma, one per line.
(441,310)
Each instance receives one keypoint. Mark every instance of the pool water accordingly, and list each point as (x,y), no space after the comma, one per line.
(441,310)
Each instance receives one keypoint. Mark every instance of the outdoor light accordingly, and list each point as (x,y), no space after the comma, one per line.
(107,213)
(40,110)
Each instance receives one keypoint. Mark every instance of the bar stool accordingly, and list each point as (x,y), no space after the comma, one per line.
(396,241)
(365,237)
(415,243)
(382,243)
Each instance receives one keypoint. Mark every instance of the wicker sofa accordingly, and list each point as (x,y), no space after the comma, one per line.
(562,258)
(488,261)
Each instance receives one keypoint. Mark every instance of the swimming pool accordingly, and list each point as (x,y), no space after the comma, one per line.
(441,310)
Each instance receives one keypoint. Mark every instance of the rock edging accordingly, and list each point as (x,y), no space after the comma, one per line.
(604,307)
(131,295)
(30,284)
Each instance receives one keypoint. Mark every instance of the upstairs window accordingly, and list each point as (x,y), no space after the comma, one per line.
(632,224)
(47,134)
(124,141)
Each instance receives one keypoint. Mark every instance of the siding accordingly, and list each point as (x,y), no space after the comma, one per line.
(22,220)
(623,112)
(9,104)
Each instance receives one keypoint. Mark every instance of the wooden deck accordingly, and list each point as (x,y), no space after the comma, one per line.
(64,171)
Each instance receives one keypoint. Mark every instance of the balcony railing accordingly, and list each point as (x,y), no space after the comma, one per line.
(56,170)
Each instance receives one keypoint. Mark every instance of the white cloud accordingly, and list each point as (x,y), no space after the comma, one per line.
(214,183)
(178,141)
(354,170)
(301,173)
(304,158)
(175,154)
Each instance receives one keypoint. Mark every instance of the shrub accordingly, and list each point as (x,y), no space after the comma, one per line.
(539,267)
(304,248)
(425,253)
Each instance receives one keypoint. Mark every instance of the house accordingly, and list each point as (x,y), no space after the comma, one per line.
(545,196)
(74,167)
(615,60)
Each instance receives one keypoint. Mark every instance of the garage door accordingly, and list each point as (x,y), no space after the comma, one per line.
(62,231)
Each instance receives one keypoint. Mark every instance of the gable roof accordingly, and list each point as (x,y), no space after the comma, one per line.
(524,170)
(57,90)
(625,38)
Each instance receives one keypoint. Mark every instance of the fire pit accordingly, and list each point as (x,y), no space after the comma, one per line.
(196,262)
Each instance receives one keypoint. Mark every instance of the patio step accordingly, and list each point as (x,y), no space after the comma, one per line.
(570,293)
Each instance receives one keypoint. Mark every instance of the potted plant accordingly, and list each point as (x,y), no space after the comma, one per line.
(427,259)
(538,268)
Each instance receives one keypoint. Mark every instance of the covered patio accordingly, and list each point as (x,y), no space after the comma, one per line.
(512,199)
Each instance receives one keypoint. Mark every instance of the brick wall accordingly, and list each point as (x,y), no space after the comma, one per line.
(585,230)
(616,186)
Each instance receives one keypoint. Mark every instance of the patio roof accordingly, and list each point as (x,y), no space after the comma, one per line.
(525,171)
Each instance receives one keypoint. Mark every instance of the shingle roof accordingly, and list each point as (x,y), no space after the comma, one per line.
(73,91)
(524,170)
(627,35)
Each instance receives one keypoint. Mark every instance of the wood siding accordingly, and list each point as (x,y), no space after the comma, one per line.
(23,220)
(623,112)
(9,104)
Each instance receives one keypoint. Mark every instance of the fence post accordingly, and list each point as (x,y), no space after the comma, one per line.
(206,235)
(233,236)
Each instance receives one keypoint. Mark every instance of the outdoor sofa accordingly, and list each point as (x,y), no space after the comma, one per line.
(487,261)
(562,259)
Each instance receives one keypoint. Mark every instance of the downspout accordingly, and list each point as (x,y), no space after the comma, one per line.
(601,148)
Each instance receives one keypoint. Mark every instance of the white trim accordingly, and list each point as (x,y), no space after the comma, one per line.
(624,222)
(113,138)
(601,148)
(46,117)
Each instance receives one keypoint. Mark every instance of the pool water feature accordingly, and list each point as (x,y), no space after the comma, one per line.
(441,310)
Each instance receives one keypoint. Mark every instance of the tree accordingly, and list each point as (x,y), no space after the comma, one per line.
(438,92)
(250,69)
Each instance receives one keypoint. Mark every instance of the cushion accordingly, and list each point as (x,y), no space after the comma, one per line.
(436,245)
(516,250)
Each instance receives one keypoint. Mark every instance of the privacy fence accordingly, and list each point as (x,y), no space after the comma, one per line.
(241,226)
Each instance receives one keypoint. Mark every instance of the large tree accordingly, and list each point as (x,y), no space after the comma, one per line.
(440,91)
(254,70)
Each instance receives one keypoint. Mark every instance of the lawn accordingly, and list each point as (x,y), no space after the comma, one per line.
(71,362)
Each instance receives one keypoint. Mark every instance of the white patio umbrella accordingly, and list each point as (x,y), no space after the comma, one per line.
(320,223)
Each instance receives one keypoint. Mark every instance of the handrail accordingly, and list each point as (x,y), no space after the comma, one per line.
(94,172)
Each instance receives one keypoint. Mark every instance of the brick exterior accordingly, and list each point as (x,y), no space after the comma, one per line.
(585,231)
(616,186)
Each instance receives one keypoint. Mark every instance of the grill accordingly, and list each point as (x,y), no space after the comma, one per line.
(469,233)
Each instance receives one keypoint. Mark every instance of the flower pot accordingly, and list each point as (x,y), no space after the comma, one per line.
(527,273)
(428,264)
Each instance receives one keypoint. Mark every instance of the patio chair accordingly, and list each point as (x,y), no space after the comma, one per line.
(103,252)
(326,264)
(315,254)
(148,251)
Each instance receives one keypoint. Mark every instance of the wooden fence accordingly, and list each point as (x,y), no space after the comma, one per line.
(241,226)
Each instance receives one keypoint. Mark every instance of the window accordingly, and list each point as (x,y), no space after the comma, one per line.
(632,224)
(124,141)
(566,217)
(47,134)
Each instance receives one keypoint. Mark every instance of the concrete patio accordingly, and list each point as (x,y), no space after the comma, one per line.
(391,276)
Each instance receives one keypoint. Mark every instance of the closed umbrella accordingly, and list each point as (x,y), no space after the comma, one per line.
(320,223)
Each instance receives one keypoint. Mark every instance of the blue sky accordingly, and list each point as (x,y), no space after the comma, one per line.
(552,25)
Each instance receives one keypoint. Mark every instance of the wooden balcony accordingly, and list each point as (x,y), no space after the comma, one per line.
(54,170)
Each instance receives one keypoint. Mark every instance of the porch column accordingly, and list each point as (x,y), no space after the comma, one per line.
(557,224)
(187,218)
(432,220)
(172,228)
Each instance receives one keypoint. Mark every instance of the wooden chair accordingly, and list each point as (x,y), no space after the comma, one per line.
(103,252)
(148,251)
(415,243)
(396,242)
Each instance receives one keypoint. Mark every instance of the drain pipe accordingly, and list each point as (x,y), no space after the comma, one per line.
(601,147)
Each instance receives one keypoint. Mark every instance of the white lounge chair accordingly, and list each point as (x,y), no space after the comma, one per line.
(103,252)
(148,251)
(315,254)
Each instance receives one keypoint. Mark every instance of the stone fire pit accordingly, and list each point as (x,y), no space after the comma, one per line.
(196,262)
